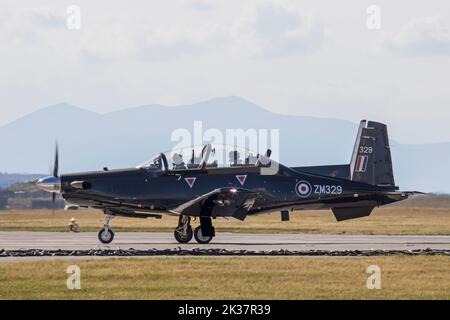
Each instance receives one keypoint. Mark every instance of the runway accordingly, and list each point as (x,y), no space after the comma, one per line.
(226,241)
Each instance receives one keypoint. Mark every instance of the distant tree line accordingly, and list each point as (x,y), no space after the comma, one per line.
(26,195)
(7,179)
(4,197)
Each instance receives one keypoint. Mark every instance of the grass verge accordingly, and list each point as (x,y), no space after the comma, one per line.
(389,220)
(402,277)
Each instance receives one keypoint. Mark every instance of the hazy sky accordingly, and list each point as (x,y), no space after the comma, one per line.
(313,58)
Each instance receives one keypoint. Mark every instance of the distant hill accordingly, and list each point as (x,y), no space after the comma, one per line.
(90,141)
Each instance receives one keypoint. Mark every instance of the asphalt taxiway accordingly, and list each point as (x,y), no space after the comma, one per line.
(226,241)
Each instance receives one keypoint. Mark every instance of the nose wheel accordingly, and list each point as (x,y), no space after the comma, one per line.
(106,235)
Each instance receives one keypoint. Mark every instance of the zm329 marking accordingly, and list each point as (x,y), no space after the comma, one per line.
(327,189)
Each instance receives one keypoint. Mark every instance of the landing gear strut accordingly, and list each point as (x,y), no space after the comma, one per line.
(183,233)
(106,235)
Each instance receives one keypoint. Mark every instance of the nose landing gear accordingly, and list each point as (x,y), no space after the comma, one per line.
(106,235)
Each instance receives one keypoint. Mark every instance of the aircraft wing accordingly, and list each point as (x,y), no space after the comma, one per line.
(222,202)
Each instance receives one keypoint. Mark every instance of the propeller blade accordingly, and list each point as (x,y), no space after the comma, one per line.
(55,171)
(56,163)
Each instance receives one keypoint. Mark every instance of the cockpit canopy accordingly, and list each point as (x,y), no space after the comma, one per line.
(206,156)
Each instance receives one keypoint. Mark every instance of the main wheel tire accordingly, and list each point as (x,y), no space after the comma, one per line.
(183,238)
(199,237)
(106,235)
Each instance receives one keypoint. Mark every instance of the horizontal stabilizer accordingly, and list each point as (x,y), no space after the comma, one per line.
(401,195)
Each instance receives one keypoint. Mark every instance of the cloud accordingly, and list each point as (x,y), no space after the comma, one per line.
(200,5)
(31,19)
(45,17)
(178,40)
(263,31)
(31,29)
(151,42)
(420,37)
(271,30)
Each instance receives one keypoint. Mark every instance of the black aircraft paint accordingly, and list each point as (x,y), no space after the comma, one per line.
(203,189)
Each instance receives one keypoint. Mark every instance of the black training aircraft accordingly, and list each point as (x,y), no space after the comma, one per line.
(204,189)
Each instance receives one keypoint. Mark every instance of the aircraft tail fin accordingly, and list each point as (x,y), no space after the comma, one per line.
(371,159)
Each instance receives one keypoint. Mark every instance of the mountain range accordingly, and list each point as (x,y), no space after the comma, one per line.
(91,141)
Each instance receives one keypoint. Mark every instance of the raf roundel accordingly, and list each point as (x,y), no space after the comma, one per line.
(303,189)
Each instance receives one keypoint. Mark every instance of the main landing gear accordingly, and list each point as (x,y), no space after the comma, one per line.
(183,233)
(203,234)
(106,235)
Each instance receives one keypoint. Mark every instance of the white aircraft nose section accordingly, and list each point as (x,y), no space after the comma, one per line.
(50,184)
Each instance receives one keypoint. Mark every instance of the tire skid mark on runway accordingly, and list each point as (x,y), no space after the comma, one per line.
(212,252)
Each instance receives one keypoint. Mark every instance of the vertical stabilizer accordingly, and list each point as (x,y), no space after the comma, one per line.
(371,159)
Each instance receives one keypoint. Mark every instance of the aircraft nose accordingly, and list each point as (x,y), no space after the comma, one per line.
(50,184)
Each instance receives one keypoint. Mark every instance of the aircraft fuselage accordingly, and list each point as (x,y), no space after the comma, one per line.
(138,189)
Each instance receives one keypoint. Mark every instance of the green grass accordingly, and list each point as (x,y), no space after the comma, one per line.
(402,277)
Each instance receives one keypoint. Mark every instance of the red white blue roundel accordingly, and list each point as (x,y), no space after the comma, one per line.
(303,189)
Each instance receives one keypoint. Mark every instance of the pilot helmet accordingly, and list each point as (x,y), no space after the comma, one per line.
(177,158)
